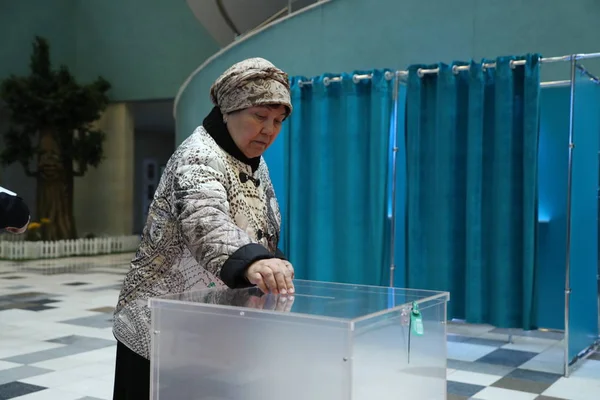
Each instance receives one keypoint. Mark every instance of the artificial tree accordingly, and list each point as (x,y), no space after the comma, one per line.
(51,133)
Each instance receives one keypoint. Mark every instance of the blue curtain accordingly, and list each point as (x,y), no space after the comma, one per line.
(337,147)
(472,146)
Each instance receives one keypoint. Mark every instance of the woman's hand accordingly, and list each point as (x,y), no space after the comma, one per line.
(271,303)
(18,231)
(272,275)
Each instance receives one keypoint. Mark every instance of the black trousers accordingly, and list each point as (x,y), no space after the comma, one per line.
(132,375)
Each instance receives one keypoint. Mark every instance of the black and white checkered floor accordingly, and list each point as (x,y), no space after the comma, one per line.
(483,365)
(56,342)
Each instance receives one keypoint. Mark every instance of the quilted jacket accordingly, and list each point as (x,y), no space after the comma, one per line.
(212,216)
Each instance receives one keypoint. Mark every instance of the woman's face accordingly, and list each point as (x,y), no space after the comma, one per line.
(254,129)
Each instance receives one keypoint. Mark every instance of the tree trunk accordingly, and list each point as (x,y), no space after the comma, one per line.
(54,190)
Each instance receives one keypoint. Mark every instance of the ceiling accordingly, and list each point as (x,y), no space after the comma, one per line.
(218,16)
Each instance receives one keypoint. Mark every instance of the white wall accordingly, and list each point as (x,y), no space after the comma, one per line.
(104,196)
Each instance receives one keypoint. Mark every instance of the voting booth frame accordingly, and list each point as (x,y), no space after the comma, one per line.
(567,238)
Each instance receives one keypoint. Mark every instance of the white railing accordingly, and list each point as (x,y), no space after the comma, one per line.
(27,250)
(287,10)
(10,237)
(237,42)
(277,15)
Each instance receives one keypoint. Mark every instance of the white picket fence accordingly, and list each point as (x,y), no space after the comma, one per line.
(26,250)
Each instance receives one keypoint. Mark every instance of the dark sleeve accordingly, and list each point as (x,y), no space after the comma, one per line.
(14,213)
(210,234)
(234,269)
(279,254)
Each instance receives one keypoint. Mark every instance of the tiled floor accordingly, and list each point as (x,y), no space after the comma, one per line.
(56,342)
(55,328)
(483,365)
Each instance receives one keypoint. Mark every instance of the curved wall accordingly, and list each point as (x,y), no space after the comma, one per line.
(344,35)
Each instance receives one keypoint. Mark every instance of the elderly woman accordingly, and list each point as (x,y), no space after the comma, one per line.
(214,219)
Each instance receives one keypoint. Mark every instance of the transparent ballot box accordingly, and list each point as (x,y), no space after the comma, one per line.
(329,342)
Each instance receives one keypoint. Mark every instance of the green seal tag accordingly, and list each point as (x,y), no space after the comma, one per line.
(416,320)
(212,284)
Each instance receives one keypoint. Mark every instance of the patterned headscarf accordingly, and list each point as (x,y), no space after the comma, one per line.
(250,83)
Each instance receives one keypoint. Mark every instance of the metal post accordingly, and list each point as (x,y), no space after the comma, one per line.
(393,200)
(569,184)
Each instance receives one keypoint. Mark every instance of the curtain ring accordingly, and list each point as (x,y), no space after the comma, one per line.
(455,69)
(420,72)
(326,81)
(389,75)
(355,79)
(512,64)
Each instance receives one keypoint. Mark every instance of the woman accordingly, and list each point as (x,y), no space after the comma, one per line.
(214,219)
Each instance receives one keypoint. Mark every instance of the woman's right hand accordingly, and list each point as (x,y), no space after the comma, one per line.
(272,275)
(271,303)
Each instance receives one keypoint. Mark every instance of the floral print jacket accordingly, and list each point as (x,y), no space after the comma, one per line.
(211,216)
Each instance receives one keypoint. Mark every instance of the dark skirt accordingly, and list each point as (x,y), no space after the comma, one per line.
(132,375)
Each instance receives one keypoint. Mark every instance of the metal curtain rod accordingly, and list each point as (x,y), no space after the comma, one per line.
(456,69)
(355,78)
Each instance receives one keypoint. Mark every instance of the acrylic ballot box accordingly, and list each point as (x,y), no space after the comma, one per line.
(328,342)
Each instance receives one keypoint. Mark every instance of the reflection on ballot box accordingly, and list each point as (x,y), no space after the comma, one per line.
(329,341)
